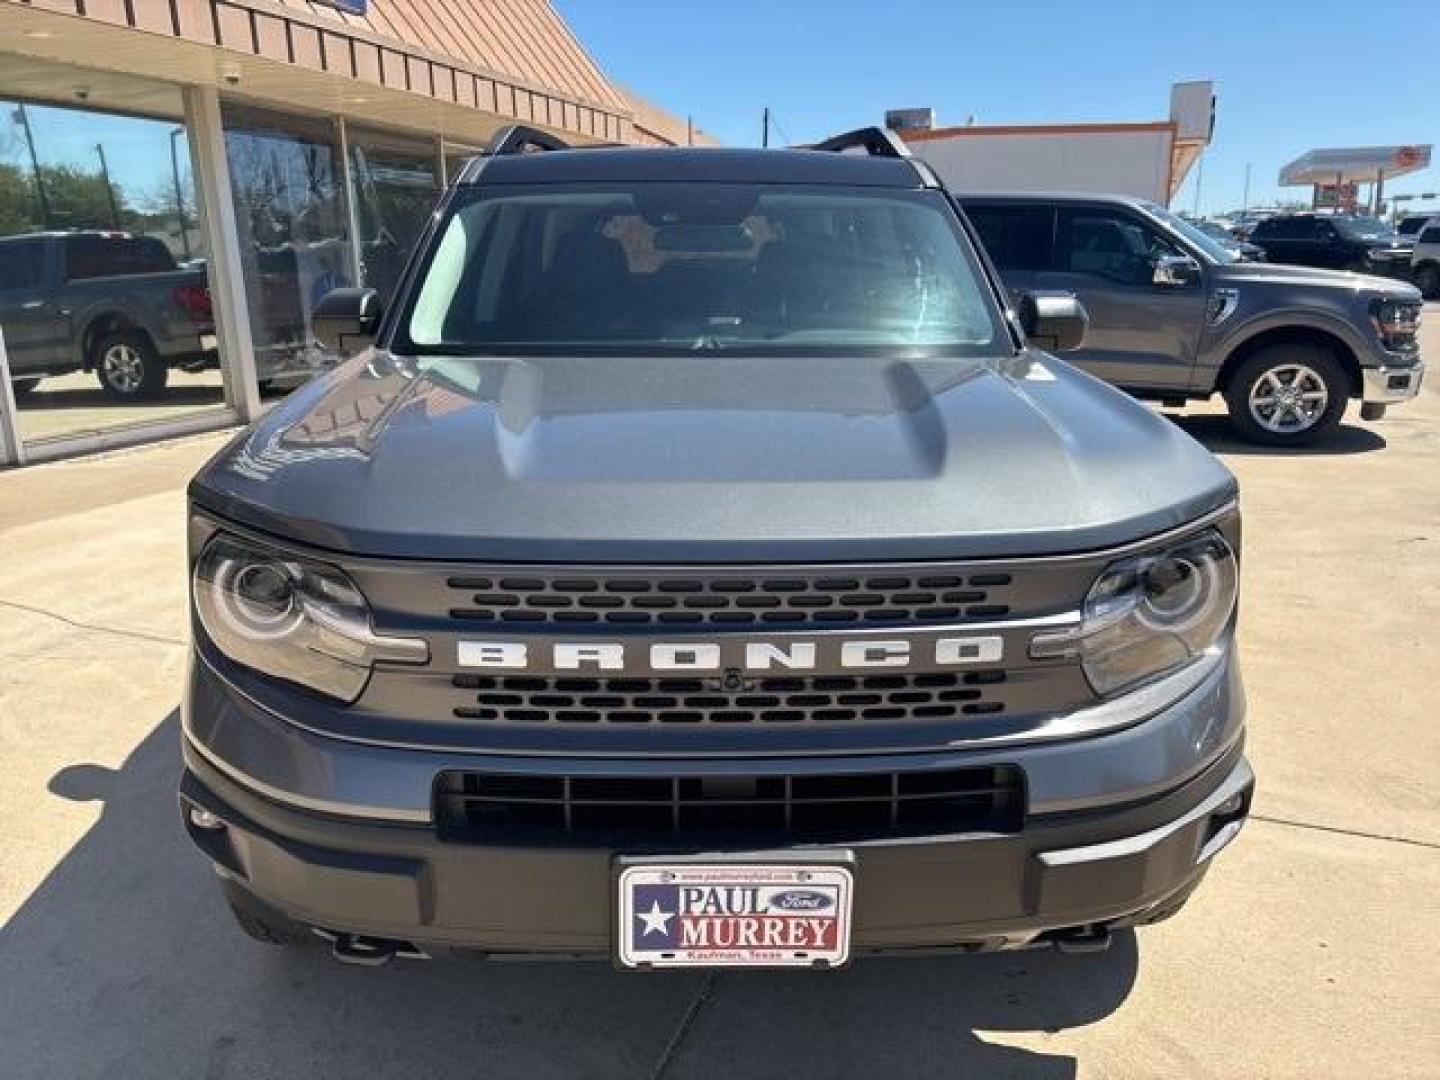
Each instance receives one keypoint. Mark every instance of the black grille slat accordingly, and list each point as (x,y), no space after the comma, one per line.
(817,699)
(492,807)
(705,598)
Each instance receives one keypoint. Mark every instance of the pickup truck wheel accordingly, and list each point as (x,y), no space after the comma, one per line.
(128,367)
(1287,395)
(23,388)
(1427,280)
(259,921)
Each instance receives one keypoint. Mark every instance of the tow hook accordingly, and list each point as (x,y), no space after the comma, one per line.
(367,951)
(1085,939)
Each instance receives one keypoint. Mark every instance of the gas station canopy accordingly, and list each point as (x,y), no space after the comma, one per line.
(1358,164)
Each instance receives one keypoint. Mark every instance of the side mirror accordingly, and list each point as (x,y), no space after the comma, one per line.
(1175,271)
(345,320)
(1055,321)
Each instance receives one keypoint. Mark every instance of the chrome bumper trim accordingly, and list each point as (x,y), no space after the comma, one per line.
(1378,391)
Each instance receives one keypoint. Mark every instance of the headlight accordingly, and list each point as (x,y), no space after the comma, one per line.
(1397,322)
(1148,615)
(292,618)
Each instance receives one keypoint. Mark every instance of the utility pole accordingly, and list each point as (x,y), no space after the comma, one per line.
(1245,202)
(1199,183)
(109,191)
(765,127)
(179,193)
(24,120)
(689,131)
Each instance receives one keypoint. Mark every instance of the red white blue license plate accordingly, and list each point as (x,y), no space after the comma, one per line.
(734,915)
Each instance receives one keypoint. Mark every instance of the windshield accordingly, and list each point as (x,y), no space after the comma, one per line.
(1363,228)
(1218,252)
(678,267)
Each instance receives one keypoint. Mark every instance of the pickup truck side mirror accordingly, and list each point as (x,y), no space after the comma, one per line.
(1055,321)
(1175,271)
(345,320)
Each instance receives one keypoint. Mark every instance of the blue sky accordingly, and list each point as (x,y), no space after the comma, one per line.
(1290,76)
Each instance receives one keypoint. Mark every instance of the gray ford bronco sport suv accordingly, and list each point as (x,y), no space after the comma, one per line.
(1176,317)
(697,564)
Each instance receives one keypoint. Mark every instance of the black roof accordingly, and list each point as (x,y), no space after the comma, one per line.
(696,165)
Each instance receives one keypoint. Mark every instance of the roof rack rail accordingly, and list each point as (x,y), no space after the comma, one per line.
(875,141)
(519,139)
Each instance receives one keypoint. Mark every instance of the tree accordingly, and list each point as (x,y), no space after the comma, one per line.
(78,200)
(19,209)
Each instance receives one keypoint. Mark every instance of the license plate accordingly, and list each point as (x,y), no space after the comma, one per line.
(742,914)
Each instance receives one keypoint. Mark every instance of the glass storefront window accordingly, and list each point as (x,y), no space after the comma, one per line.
(104,302)
(286,180)
(396,184)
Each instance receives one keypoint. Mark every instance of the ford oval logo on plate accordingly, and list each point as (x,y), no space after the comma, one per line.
(801,900)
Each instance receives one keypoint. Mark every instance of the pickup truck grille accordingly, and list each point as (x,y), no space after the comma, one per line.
(698,598)
(490,807)
(833,699)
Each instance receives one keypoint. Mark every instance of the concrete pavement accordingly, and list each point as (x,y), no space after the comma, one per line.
(1311,951)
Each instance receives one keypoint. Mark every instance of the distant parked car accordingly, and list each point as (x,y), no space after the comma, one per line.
(1242,249)
(1411,224)
(109,302)
(1175,317)
(1336,242)
(1426,263)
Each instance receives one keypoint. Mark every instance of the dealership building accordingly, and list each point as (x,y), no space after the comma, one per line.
(260,151)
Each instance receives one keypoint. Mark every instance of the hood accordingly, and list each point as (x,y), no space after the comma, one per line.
(1285,273)
(709,458)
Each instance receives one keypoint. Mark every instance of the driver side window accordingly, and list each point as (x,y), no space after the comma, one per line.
(1110,245)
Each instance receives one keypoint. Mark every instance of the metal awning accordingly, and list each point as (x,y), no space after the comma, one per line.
(1356,164)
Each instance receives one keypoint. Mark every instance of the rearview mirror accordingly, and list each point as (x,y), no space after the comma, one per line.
(345,320)
(1174,271)
(1055,321)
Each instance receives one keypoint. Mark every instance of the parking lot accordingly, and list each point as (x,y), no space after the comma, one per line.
(1312,950)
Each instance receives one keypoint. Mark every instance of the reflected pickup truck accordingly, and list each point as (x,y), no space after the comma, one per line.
(1176,316)
(699,563)
(114,303)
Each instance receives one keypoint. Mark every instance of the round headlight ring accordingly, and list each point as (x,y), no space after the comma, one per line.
(1195,581)
(250,595)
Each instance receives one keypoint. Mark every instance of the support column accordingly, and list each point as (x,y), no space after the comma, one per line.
(223,267)
(12,446)
(352,205)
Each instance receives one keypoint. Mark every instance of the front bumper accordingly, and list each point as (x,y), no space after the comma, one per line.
(1118,829)
(1053,881)
(1387,385)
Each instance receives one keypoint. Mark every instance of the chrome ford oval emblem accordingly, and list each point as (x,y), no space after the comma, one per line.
(800,900)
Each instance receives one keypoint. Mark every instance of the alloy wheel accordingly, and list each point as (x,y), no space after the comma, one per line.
(123,367)
(1288,398)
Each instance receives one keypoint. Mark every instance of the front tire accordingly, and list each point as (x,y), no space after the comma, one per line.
(1287,395)
(128,367)
(1427,280)
(257,919)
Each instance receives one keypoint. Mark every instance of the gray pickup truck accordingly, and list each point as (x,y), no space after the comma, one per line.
(698,565)
(109,302)
(1175,316)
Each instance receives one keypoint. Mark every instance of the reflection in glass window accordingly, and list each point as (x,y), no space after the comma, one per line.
(294,244)
(104,300)
(396,187)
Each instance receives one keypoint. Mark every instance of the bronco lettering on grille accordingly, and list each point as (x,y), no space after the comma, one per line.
(710,656)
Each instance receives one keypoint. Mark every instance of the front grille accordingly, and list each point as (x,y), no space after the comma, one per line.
(816,700)
(708,598)
(493,807)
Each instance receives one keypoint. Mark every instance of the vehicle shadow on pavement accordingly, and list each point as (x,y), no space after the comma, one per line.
(42,400)
(1219,437)
(125,963)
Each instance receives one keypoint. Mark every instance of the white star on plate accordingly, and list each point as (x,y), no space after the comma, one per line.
(655,920)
